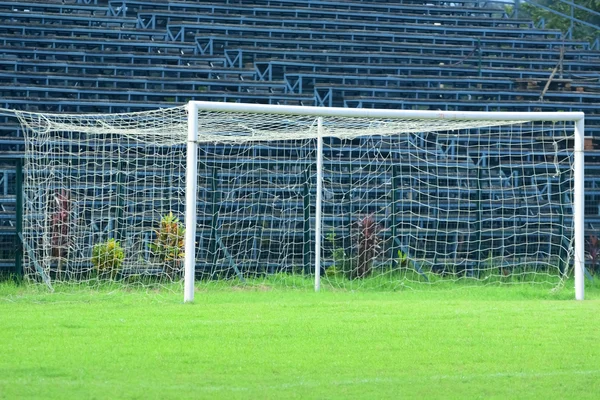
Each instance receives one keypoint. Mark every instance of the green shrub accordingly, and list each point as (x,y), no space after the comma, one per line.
(107,258)
(169,244)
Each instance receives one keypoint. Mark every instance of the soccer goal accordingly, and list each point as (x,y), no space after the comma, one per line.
(262,194)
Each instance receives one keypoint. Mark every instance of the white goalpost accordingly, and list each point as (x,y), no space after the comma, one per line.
(304,196)
(383,122)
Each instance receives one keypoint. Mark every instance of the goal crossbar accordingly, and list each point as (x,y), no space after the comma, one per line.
(384,113)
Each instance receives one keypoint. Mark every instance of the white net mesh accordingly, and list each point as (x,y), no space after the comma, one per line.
(405,201)
(489,205)
(100,191)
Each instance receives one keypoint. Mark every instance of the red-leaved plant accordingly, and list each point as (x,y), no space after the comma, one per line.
(593,252)
(369,245)
(60,226)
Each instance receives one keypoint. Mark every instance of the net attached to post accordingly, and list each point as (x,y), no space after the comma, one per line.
(104,196)
(406,202)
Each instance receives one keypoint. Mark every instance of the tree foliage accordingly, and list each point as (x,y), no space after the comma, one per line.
(553,21)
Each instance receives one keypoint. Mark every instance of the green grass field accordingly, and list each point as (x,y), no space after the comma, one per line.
(477,342)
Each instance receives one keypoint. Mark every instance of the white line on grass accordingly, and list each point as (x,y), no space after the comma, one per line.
(370,381)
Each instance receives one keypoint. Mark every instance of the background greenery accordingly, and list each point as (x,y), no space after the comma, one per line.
(553,21)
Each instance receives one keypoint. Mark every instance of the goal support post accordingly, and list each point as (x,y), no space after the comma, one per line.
(190,201)
(579,205)
(321,116)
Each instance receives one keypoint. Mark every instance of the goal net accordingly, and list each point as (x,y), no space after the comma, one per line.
(301,196)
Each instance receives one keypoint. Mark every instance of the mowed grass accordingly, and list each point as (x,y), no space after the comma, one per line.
(265,343)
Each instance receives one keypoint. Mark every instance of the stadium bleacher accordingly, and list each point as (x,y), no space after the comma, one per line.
(121,56)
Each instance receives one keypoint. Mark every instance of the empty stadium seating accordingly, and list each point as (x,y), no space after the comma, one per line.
(121,55)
